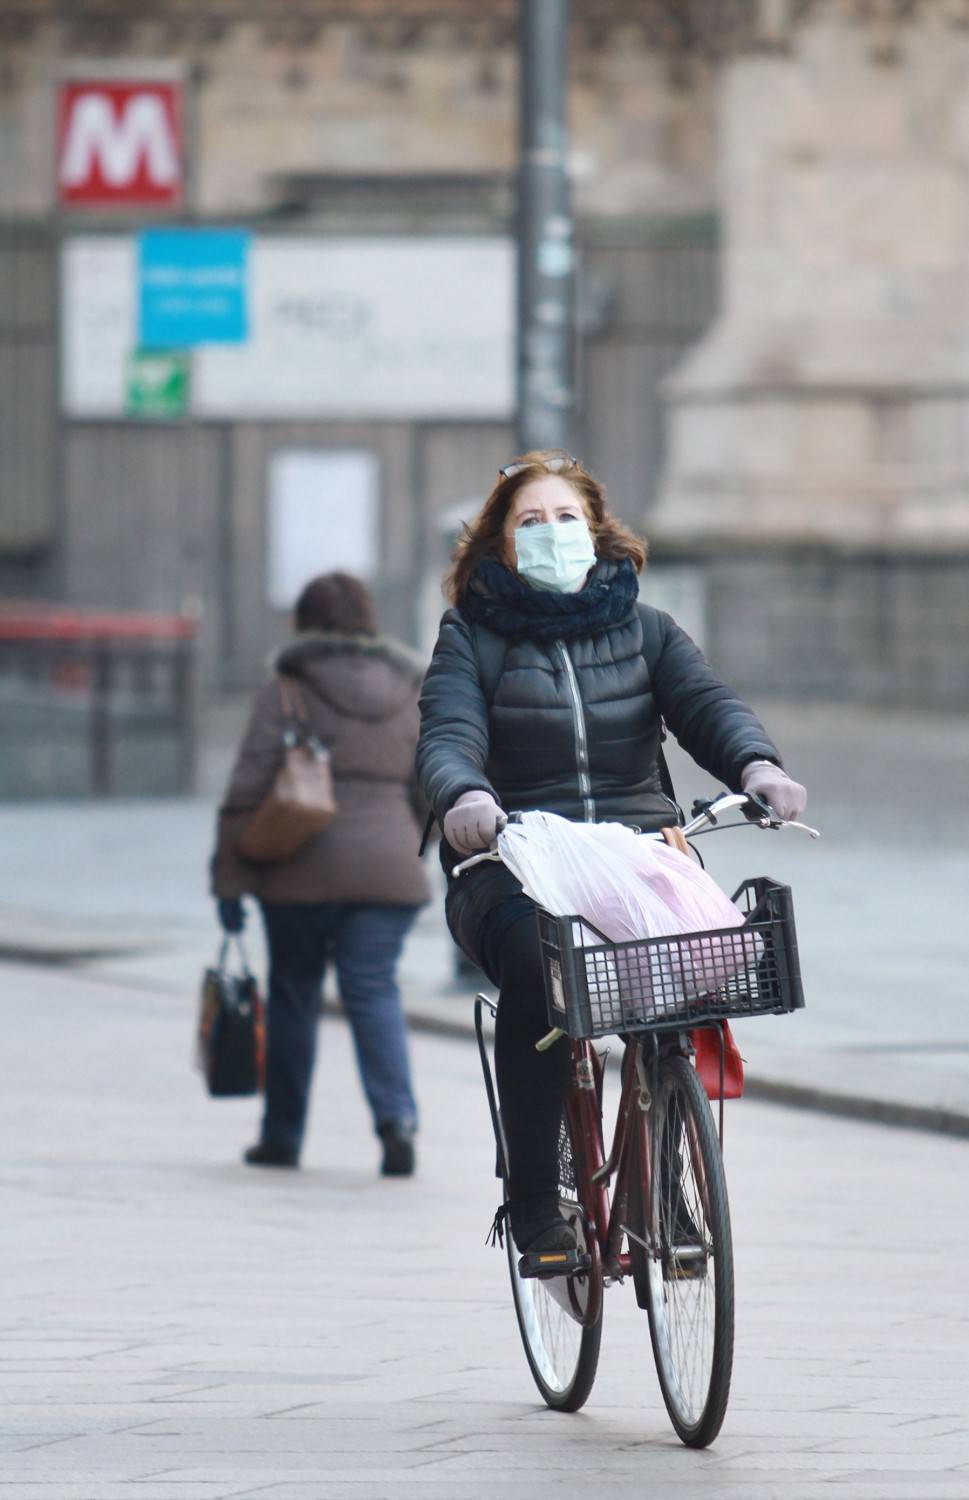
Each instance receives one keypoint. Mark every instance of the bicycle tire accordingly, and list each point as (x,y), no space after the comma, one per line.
(562,1348)
(686,1281)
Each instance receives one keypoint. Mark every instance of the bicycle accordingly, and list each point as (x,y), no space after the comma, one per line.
(666,1224)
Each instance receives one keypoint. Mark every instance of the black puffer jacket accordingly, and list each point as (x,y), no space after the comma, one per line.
(574,721)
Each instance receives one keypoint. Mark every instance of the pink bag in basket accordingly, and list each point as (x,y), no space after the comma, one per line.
(630,887)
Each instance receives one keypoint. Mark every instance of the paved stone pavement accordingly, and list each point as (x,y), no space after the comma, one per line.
(878,900)
(176,1326)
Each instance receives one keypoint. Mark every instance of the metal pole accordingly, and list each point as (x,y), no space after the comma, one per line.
(185,683)
(546,253)
(102,758)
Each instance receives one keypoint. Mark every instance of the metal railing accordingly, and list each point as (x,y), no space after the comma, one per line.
(104,681)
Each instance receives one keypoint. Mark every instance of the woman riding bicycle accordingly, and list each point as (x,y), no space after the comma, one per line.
(548,688)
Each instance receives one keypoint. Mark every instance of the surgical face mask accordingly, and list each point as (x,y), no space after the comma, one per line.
(555,554)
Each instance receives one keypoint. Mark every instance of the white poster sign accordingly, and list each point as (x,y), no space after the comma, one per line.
(99,316)
(323,517)
(381,328)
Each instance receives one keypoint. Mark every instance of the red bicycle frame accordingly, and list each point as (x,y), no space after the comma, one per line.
(605,1216)
(606,1219)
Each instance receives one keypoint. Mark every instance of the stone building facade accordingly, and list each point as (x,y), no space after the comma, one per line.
(819,431)
(771,358)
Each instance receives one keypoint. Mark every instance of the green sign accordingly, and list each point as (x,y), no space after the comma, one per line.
(156,383)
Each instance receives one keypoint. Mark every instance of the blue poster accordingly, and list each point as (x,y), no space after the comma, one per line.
(192,287)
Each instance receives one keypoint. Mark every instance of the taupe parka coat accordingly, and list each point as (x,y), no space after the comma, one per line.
(360,694)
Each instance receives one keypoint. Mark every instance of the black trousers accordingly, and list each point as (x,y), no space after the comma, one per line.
(531,1085)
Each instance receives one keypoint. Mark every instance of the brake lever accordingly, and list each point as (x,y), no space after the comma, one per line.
(758,810)
(804,827)
(491,853)
(476,859)
(766,817)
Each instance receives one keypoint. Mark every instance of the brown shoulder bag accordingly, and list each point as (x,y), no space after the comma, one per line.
(300,802)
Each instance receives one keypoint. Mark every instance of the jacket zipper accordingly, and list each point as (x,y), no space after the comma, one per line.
(581,740)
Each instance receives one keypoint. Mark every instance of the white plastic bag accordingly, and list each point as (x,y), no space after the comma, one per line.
(629,887)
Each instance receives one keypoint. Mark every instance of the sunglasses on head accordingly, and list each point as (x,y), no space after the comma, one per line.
(556,463)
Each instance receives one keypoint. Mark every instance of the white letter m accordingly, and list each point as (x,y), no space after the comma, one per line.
(94,135)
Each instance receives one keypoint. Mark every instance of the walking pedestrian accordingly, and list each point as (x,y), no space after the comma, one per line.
(548,688)
(351,894)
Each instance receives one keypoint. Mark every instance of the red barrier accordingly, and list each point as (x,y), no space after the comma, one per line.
(45,622)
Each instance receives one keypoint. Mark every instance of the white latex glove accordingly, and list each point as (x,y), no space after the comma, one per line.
(763,779)
(473,822)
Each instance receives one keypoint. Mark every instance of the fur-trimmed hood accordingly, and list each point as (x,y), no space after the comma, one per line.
(363,676)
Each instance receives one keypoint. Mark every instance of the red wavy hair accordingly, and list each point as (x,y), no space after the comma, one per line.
(484,536)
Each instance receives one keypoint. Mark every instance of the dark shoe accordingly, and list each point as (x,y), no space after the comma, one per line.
(264,1154)
(399,1158)
(537,1224)
(549,1246)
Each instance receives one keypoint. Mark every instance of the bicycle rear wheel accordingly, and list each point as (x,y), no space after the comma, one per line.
(684,1271)
(560,1320)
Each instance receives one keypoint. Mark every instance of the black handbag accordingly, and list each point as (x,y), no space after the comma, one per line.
(231,1037)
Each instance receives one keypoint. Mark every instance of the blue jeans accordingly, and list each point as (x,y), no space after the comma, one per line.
(364,943)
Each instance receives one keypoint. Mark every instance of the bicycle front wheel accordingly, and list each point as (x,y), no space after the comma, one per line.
(683,1266)
(560,1320)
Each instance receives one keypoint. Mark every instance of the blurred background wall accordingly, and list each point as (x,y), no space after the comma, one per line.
(772,219)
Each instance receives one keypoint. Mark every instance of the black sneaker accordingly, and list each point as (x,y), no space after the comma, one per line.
(537,1224)
(556,1236)
(554,1251)
(399,1159)
(265,1154)
(539,1230)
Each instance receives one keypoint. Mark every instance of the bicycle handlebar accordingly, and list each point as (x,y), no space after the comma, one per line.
(757,812)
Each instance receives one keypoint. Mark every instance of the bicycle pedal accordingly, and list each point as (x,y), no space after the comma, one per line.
(544,1264)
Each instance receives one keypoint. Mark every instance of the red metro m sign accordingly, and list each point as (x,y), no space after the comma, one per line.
(119,142)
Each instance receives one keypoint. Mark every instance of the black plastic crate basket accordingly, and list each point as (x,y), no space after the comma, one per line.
(595,987)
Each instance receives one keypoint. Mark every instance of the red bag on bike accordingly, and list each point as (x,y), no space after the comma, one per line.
(706,1045)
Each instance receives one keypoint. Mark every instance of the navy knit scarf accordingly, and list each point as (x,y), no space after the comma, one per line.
(499,599)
